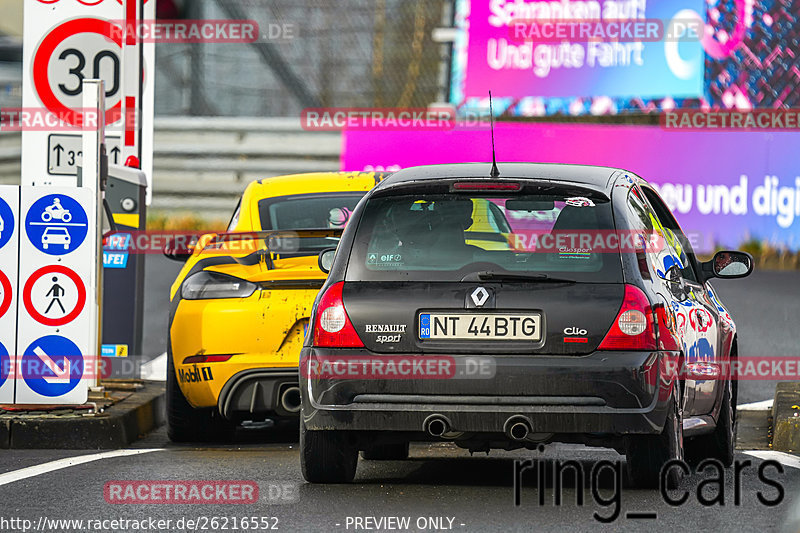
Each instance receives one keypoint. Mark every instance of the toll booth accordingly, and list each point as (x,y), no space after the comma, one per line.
(123,272)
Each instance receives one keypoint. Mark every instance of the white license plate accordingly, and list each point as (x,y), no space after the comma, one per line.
(469,326)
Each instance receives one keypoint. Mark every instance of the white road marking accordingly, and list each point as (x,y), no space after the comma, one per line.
(37,470)
(156,370)
(786,459)
(755,406)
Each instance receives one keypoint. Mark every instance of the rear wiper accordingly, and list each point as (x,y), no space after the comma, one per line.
(488,275)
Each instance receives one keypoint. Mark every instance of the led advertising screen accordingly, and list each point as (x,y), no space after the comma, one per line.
(717,190)
(742,55)
(524,49)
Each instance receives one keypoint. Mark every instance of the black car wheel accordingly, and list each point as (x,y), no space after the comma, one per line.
(189,424)
(327,456)
(647,454)
(721,443)
(386,452)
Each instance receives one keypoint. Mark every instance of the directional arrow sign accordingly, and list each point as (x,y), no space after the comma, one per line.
(64,154)
(52,367)
(61,375)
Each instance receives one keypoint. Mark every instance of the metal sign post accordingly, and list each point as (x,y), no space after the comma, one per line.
(93,176)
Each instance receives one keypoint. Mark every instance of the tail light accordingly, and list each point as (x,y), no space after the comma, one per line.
(634,328)
(333,328)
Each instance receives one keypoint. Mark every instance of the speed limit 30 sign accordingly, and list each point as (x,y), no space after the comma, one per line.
(65,43)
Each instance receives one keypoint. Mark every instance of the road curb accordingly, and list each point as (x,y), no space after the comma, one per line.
(786,417)
(118,426)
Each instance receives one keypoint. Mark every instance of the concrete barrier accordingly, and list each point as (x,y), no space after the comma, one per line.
(786,417)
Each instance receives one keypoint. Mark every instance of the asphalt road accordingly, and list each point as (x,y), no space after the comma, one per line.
(439,482)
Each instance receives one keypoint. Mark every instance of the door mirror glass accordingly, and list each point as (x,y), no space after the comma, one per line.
(732,264)
(326,259)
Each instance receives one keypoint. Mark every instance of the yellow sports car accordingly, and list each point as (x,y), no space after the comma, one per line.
(241,304)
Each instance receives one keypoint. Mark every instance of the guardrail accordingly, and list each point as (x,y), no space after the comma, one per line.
(202,164)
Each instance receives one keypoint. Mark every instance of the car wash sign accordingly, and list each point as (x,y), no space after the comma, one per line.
(65,43)
(56,338)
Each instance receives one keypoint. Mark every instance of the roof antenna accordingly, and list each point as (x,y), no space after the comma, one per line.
(495,173)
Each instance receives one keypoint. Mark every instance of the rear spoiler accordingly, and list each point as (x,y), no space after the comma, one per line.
(256,246)
(250,245)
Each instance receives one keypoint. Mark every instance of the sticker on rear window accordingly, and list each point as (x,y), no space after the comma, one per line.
(579,201)
(574,253)
(378,259)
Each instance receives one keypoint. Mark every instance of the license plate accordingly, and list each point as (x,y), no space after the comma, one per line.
(468,326)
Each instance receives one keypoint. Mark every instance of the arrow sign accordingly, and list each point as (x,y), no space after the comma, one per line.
(58,149)
(65,153)
(43,376)
(61,376)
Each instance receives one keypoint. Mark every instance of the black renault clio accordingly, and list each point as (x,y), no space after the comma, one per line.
(549,303)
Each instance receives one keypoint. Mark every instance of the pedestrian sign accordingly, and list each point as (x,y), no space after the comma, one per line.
(54,295)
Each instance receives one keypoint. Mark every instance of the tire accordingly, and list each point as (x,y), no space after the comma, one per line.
(67,218)
(387,452)
(189,424)
(327,456)
(647,454)
(721,443)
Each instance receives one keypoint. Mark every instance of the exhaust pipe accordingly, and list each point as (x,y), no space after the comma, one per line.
(518,428)
(290,399)
(436,425)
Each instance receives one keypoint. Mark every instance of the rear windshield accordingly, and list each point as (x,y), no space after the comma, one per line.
(446,237)
(318,211)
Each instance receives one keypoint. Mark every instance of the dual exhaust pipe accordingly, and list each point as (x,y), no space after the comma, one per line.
(517,428)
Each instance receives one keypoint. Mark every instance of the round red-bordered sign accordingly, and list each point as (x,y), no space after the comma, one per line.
(6,285)
(41,62)
(54,269)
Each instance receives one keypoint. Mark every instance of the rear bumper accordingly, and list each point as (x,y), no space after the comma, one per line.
(612,393)
(260,392)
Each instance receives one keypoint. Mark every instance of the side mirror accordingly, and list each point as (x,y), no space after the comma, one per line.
(729,265)
(177,252)
(326,259)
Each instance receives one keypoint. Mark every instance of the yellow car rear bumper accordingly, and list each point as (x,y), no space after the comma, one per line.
(222,348)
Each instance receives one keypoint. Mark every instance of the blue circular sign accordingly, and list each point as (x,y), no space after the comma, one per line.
(5,364)
(6,223)
(52,366)
(56,224)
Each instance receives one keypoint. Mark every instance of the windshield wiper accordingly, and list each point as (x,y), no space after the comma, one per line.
(489,275)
